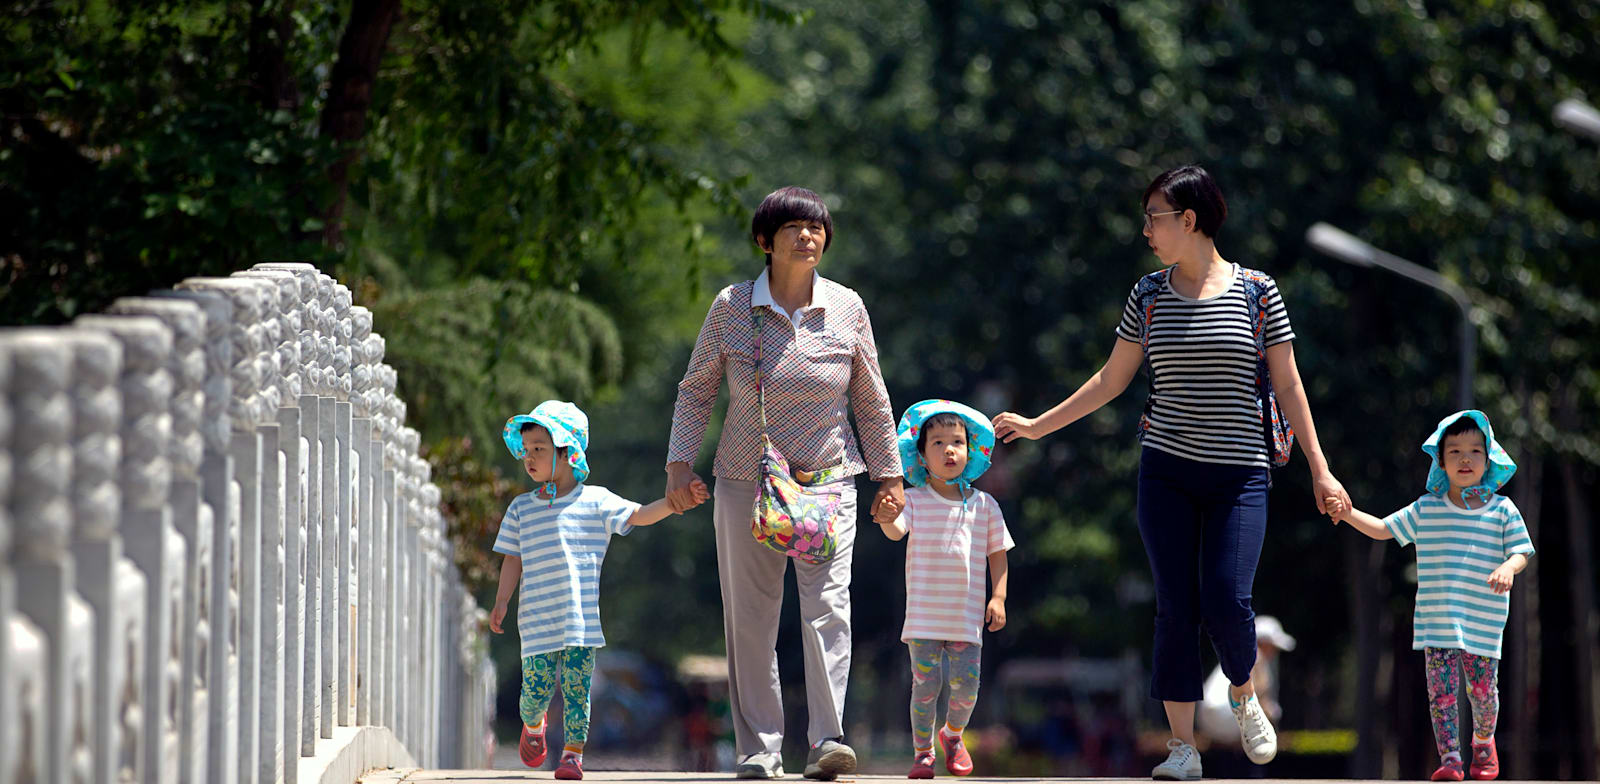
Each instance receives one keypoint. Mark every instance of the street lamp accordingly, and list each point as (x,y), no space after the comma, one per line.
(1578,117)
(1347,248)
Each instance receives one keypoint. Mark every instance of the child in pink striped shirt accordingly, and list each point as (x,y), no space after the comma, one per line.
(956,530)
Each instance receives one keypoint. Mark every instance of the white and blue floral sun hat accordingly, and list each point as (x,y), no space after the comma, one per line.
(569,429)
(1497,470)
(980,441)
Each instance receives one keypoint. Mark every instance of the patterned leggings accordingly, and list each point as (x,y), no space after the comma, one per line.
(1444,680)
(927,656)
(539,686)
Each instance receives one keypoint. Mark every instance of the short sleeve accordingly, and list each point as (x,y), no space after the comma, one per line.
(615,512)
(1132,326)
(1516,536)
(1402,525)
(999,536)
(909,513)
(1278,329)
(508,541)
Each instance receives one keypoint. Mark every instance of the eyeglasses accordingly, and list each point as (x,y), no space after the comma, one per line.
(1151,215)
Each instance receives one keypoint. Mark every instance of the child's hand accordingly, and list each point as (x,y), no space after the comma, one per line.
(699,491)
(1500,579)
(995,614)
(497,617)
(887,512)
(1335,507)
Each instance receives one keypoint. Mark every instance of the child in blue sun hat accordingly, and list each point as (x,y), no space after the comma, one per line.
(955,530)
(1471,544)
(554,540)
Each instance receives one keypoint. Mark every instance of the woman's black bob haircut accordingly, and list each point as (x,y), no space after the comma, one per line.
(792,203)
(1191,188)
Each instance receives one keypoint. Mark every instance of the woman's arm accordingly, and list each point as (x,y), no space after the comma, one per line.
(1292,399)
(869,398)
(697,395)
(1100,389)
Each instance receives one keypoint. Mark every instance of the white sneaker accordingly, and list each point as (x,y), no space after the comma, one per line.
(1183,763)
(1255,731)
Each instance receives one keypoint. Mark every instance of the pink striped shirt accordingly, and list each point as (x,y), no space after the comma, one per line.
(812,370)
(947,559)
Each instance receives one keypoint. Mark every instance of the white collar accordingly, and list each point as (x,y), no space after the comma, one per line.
(762,295)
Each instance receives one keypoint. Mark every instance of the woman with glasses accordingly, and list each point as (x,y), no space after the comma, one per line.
(1202,322)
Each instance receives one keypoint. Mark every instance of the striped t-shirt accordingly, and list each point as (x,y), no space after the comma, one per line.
(561,545)
(1202,356)
(947,556)
(1457,549)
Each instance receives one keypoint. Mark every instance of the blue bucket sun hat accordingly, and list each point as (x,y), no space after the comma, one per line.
(569,429)
(980,441)
(1497,470)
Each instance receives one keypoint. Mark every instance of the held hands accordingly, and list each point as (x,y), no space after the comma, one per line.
(1500,579)
(995,613)
(697,494)
(1325,487)
(888,511)
(497,617)
(1009,427)
(1335,508)
(891,491)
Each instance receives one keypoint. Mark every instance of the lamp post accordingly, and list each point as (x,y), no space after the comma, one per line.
(1578,117)
(1347,248)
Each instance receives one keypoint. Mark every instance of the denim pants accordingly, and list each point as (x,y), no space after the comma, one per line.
(1202,526)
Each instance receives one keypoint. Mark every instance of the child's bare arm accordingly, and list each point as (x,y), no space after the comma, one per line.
(999,571)
(656,511)
(1505,574)
(510,575)
(1359,520)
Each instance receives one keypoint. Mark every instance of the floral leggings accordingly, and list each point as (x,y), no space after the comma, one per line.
(1444,680)
(928,658)
(539,686)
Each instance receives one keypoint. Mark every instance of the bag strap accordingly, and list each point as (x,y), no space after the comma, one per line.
(761,394)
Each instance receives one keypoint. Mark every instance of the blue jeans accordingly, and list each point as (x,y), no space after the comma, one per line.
(1202,526)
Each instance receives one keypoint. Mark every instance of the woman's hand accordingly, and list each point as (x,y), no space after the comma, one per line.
(1009,427)
(1324,487)
(892,489)
(682,493)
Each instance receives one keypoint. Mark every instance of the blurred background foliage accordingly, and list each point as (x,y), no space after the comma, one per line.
(540,201)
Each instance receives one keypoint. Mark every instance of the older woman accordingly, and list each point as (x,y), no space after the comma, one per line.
(1201,323)
(818,359)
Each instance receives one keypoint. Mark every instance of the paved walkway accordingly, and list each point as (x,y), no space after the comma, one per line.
(502,776)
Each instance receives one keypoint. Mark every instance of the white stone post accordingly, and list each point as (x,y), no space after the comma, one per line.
(148,536)
(8,689)
(369,348)
(339,679)
(42,437)
(190,519)
(297,354)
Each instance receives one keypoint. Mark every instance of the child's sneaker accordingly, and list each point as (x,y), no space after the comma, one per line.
(571,766)
(1449,770)
(956,759)
(1183,763)
(921,765)
(1485,761)
(531,747)
(1255,731)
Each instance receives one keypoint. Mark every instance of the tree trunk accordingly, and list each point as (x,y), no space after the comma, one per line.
(344,118)
(271,29)
(1519,669)
(1584,623)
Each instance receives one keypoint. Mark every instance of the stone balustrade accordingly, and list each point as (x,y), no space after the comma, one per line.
(220,553)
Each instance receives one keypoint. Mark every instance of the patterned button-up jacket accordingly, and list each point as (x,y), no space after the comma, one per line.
(811,371)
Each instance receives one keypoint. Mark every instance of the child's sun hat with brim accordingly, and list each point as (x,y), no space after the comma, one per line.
(980,441)
(1497,469)
(568,427)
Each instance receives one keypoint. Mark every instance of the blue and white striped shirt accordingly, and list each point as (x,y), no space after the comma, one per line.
(562,545)
(1457,549)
